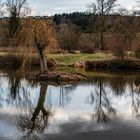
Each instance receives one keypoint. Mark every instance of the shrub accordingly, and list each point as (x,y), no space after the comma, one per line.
(3,34)
(136,48)
(68,37)
(137,53)
(88,48)
(117,45)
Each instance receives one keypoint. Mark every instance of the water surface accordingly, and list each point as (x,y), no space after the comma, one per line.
(106,107)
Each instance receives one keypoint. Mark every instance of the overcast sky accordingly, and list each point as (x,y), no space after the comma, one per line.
(50,7)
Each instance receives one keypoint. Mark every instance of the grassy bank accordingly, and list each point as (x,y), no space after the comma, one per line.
(95,61)
(64,59)
(68,59)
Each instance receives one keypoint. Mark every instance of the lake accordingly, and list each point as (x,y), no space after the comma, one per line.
(107,107)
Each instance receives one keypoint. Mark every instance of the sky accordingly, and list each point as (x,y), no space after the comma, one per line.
(50,7)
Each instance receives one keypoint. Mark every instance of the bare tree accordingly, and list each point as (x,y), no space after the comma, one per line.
(15,5)
(15,9)
(102,8)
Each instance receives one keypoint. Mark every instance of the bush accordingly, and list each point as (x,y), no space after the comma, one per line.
(68,37)
(137,53)
(117,45)
(4,36)
(88,48)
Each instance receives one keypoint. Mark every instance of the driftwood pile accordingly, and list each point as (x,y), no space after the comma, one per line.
(62,77)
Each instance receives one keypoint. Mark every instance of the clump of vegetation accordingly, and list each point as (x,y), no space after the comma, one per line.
(136,49)
(117,44)
(88,48)
(4,34)
(68,37)
(137,53)
(113,64)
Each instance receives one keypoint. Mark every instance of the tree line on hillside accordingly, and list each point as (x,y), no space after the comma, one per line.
(83,20)
(99,29)
(87,32)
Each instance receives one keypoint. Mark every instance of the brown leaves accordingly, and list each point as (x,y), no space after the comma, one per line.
(35,32)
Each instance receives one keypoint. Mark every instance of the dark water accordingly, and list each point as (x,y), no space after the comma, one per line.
(106,108)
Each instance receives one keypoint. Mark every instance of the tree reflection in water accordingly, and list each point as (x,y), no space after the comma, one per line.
(65,94)
(34,120)
(135,95)
(14,83)
(104,112)
(118,84)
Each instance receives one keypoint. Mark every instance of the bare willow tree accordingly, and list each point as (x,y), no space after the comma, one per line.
(39,35)
(102,8)
(15,9)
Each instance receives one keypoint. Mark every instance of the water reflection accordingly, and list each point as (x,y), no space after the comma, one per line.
(135,100)
(34,120)
(41,108)
(118,85)
(103,109)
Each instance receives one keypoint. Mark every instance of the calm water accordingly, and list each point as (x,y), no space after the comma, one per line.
(107,107)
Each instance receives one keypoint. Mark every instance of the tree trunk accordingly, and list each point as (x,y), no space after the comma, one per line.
(102,32)
(43,62)
(102,26)
(102,40)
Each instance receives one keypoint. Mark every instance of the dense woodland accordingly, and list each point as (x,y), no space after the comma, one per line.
(87,22)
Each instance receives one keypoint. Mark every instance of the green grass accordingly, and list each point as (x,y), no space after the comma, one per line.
(73,58)
(66,59)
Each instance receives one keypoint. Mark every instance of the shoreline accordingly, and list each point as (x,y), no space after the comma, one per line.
(113,64)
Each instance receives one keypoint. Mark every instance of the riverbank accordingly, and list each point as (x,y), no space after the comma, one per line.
(63,59)
(88,62)
(113,64)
